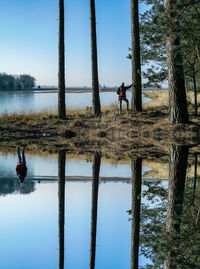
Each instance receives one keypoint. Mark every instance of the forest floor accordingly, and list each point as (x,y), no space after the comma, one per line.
(146,133)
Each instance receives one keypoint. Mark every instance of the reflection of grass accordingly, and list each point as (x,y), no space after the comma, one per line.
(160,168)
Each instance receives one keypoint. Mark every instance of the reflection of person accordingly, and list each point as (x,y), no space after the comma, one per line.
(121,91)
(21,168)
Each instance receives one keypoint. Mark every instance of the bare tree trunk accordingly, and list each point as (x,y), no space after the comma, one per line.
(178,112)
(177,175)
(61,206)
(136,101)
(195,175)
(136,167)
(195,91)
(95,81)
(95,187)
(61,63)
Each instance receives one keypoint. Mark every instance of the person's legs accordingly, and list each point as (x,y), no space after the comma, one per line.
(127,104)
(23,156)
(120,105)
(18,154)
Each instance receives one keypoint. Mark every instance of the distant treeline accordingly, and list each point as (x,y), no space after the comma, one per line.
(16,82)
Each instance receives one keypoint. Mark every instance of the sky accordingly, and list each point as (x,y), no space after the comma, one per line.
(29,40)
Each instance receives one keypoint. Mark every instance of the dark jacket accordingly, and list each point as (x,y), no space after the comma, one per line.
(121,91)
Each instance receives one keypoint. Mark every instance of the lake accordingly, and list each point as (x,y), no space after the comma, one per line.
(21,103)
(49,220)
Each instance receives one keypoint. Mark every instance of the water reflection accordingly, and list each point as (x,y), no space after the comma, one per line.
(61,206)
(163,231)
(95,187)
(136,167)
(177,175)
(11,186)
(170,222)
(21,168)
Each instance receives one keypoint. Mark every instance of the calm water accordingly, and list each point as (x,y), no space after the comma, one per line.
(29,212)
(40,102)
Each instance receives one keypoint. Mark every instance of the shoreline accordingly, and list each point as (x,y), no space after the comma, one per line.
(68,90)
(130,134)
(116,136)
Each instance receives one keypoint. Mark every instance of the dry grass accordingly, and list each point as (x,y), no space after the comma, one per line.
(130,134)
(160,99)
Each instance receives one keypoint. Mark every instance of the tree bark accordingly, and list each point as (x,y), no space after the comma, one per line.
(136,101)
(177,175)
(61,64)
(95,81)
(178,112)
(136,167)
(61,205)
(95,187)
(195,175)
(195,91)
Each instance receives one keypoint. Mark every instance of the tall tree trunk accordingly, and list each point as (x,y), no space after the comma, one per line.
(95,81)
(195,91)
(195,175)
(177,174)
(178,112)
(136,101)
(136,167)
(61,63)
(95,186)
(61,205)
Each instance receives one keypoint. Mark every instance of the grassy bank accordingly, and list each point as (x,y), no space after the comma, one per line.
(117,136)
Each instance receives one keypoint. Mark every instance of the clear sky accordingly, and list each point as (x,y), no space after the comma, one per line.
(29,40)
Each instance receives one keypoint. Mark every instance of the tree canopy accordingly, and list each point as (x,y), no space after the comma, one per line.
(16,82)
(155,26)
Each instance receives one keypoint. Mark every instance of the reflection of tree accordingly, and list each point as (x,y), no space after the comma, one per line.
(11,185)
(176,186)
(61,205)
(172,235)
(95,186)
(136,167)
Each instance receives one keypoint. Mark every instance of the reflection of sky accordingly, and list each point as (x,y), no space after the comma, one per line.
(154,203)
(47,166)
(40,102)
(29,230)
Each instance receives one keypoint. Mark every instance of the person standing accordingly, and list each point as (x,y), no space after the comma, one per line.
(121,91)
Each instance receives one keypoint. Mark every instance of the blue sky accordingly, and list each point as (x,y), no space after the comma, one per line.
(29,40)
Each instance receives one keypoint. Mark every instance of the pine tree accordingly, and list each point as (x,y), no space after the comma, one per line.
(61,64)
(95,81)
(157,27)
(136,102)
(178,112)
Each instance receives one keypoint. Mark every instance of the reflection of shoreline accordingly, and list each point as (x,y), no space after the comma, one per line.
(12,186)
(82,178)
(68,90)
